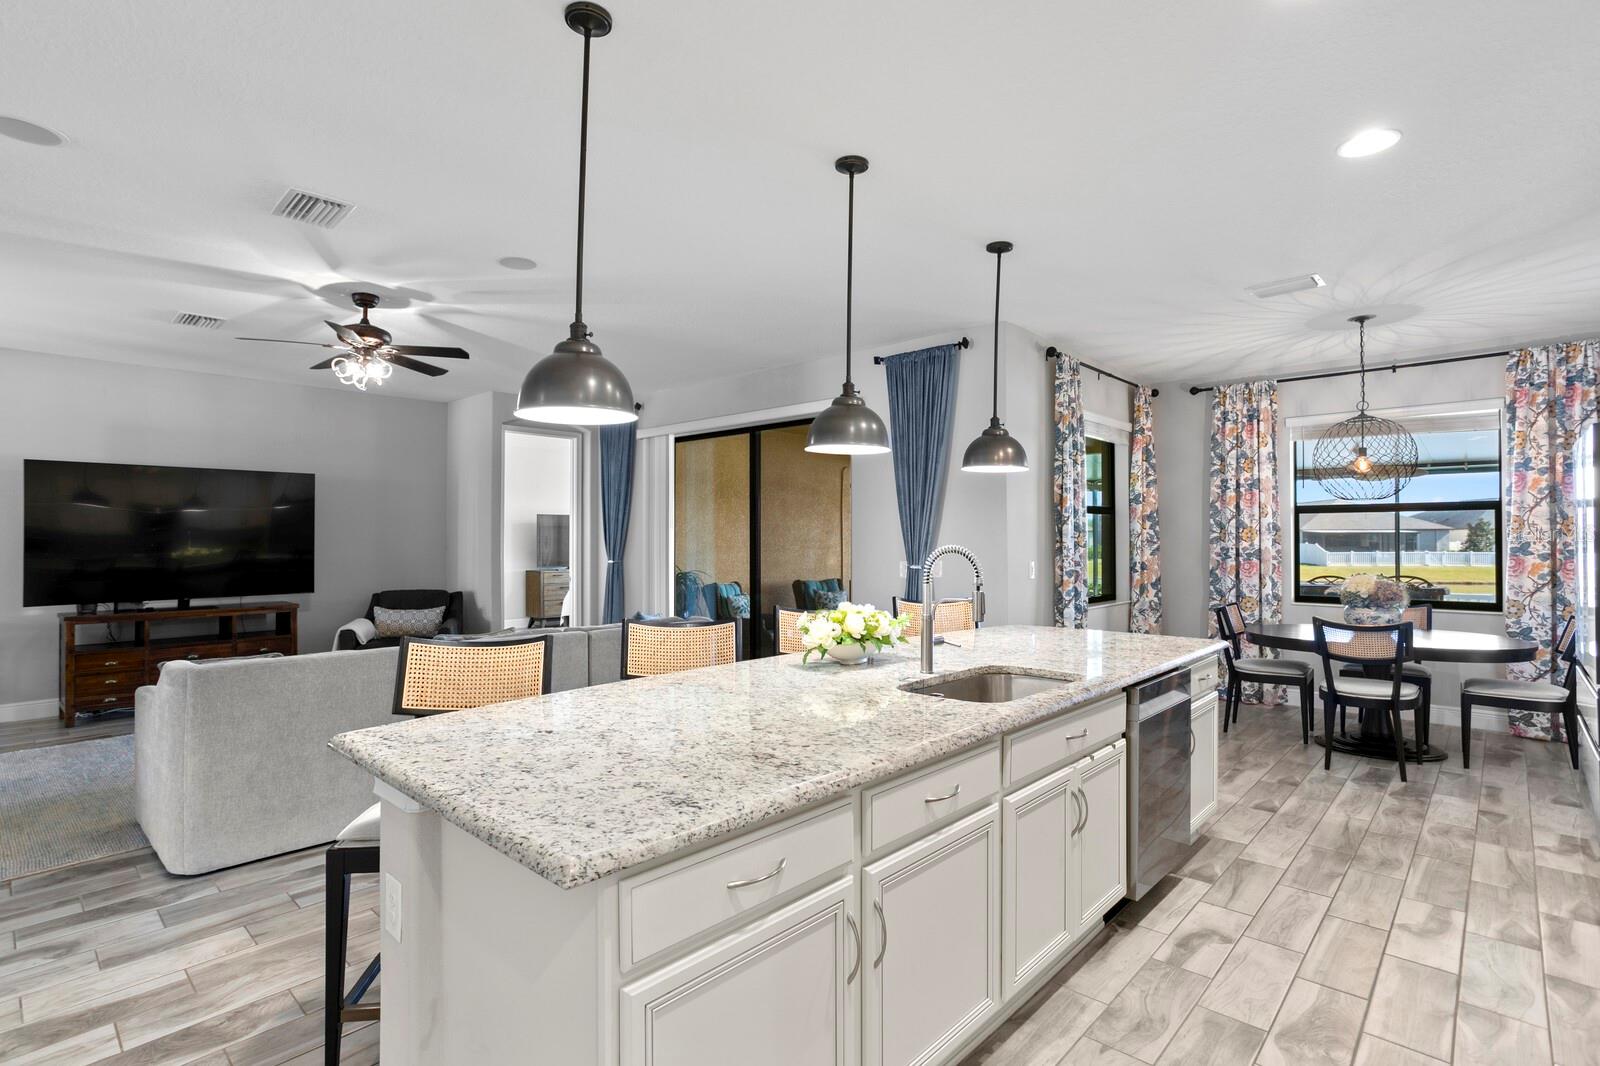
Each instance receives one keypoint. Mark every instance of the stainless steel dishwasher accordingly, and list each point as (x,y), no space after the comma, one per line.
(1160,742)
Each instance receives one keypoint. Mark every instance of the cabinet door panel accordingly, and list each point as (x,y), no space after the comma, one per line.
(932,935)
(1040,916)
(780,992)
(1203,764)
(1102,842)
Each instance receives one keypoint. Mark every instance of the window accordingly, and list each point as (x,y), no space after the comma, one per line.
(1440,536)
(1100,547)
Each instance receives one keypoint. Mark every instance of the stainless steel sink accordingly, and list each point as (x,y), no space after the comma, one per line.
(995,686)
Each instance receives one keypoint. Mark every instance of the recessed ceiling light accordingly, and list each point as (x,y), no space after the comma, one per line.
(29,132)
(517,262)
(1369,142)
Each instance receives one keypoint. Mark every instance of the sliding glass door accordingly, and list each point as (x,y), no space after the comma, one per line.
(756,515)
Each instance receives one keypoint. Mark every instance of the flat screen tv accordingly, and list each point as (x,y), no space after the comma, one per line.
(109,533)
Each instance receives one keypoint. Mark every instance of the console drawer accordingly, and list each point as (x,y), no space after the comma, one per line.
(908,806)
(1057,742)
(98,662)
(262,643)
(108,683)
(669,904)
(186,653)
(95,700)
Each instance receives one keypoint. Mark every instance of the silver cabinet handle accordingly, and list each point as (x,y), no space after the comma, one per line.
(1077,736)
(111,681)
(109,662)
(1085,824)
(952,794)
(1077,819)
(883,934)
(855,930)
(747,882)
(1191,742)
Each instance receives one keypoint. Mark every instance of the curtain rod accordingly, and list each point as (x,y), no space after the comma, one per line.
(1056,353)
(1195,390)
(964,342)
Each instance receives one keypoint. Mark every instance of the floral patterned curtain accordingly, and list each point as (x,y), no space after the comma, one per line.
(1070,492)
(1246,555)
(1144,526)
(1549,393)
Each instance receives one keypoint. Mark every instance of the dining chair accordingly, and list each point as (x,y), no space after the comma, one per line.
(1380,648)
(667,646)
(1243,669)
(949,616)
(433,677)
(1559,699)
(1420,615)
(785,625)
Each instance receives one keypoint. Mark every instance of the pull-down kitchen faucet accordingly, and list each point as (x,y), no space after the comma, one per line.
(930,608)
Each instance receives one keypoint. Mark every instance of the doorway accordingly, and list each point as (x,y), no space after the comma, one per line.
(755,513)
(538,535)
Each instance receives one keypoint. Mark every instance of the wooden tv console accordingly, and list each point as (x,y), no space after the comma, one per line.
(98,674)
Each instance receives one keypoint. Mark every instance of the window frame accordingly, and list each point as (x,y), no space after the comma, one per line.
(1107,513)
(1305,431)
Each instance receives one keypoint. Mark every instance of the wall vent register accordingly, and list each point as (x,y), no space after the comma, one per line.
(322,211)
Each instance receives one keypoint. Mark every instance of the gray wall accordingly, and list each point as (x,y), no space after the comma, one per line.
(380,466)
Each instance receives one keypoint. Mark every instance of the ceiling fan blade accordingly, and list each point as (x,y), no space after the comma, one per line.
(349,336)
(276,340)
(421,368)
(427,352)
(326,364)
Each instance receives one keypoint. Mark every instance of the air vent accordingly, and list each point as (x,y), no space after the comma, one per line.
(313,210)
(1264,289)
(197,321)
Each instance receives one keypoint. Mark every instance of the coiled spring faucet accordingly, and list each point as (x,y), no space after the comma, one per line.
(930,608)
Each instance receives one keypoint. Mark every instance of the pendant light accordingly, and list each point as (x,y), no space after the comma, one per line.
(848,426)
(995,451)
(575,385)
(1364,457)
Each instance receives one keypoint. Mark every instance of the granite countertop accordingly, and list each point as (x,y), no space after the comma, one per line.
(581,784)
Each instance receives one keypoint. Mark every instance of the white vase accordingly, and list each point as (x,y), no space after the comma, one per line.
(849,654)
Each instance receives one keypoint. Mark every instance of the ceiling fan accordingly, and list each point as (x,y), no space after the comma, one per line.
(368,355)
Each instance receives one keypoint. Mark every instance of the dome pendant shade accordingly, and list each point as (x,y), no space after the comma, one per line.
(575,385)
(994,451)
(847,426)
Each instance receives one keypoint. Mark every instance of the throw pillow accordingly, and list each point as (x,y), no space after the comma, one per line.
(419,622)
(827,599)
(737,605)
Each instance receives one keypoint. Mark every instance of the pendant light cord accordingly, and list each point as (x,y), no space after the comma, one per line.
(849,279)
(1361,405)
(994,407)
(578,328)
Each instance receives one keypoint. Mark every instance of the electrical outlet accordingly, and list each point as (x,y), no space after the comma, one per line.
(902,568)
(391,906)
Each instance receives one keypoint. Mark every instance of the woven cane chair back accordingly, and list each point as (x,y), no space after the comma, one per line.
(648,649)
(439,676)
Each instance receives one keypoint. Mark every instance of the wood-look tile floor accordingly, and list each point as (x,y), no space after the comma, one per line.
(1323,917)
(1331,917)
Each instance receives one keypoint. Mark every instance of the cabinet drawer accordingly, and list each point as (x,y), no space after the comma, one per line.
(670,904)
(105,684)
(85,699)
(1203,677)
(261,644)
(1060,740)
(898,810)
(98,662)
(189,653)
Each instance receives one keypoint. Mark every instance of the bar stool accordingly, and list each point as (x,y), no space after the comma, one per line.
(785,623)
(949,616)
(434,677)
(667,646)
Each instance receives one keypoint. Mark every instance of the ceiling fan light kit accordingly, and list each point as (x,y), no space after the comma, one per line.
(847,426)
(576,385)
(995,450)
(367,354)
(1364,457)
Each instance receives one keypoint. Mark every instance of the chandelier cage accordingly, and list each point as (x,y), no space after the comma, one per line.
(1364,457)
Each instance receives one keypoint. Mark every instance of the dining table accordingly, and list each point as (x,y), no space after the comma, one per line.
(1375,737)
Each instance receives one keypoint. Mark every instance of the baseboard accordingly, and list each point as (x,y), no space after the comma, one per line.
(28,710)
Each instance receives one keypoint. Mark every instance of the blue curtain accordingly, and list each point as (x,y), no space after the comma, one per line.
(616,502)
(922,407)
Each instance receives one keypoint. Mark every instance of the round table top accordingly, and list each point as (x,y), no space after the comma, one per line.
(1428,645)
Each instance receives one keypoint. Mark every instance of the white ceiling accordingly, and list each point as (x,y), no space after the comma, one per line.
(1148,159)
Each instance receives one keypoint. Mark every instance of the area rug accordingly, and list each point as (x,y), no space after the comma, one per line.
(66,804)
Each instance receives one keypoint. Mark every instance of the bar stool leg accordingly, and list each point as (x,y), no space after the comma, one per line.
(337,906)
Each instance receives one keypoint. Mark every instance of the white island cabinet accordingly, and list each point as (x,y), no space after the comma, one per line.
(777,864)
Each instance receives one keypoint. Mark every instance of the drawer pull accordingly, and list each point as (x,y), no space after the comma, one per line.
(747,882)
(1191,742)
(109,699)
(855,931)
(193,656)
(109,662)
(952,794)
(883,934)
(1076,736)
(1077,801)
(111,681)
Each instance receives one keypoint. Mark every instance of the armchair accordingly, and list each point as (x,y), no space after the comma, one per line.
(354,634)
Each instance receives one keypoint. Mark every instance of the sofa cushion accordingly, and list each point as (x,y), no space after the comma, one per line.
(407,621)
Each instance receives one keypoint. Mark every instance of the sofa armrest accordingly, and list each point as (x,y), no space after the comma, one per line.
(354,634)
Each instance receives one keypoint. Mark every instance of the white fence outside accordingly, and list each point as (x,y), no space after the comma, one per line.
(1386,559)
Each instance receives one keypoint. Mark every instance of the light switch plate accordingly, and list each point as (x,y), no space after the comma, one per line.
(391,906)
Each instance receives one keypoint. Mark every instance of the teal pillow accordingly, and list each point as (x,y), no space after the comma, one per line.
(827,599)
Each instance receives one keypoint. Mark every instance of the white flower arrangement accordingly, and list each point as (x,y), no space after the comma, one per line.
(850,624)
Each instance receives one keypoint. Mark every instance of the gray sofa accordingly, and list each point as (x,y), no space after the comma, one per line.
(231,758)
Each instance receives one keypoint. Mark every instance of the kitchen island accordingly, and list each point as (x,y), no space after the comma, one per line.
(764,862)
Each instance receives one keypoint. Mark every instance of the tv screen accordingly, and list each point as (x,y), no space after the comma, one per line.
(109,533)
